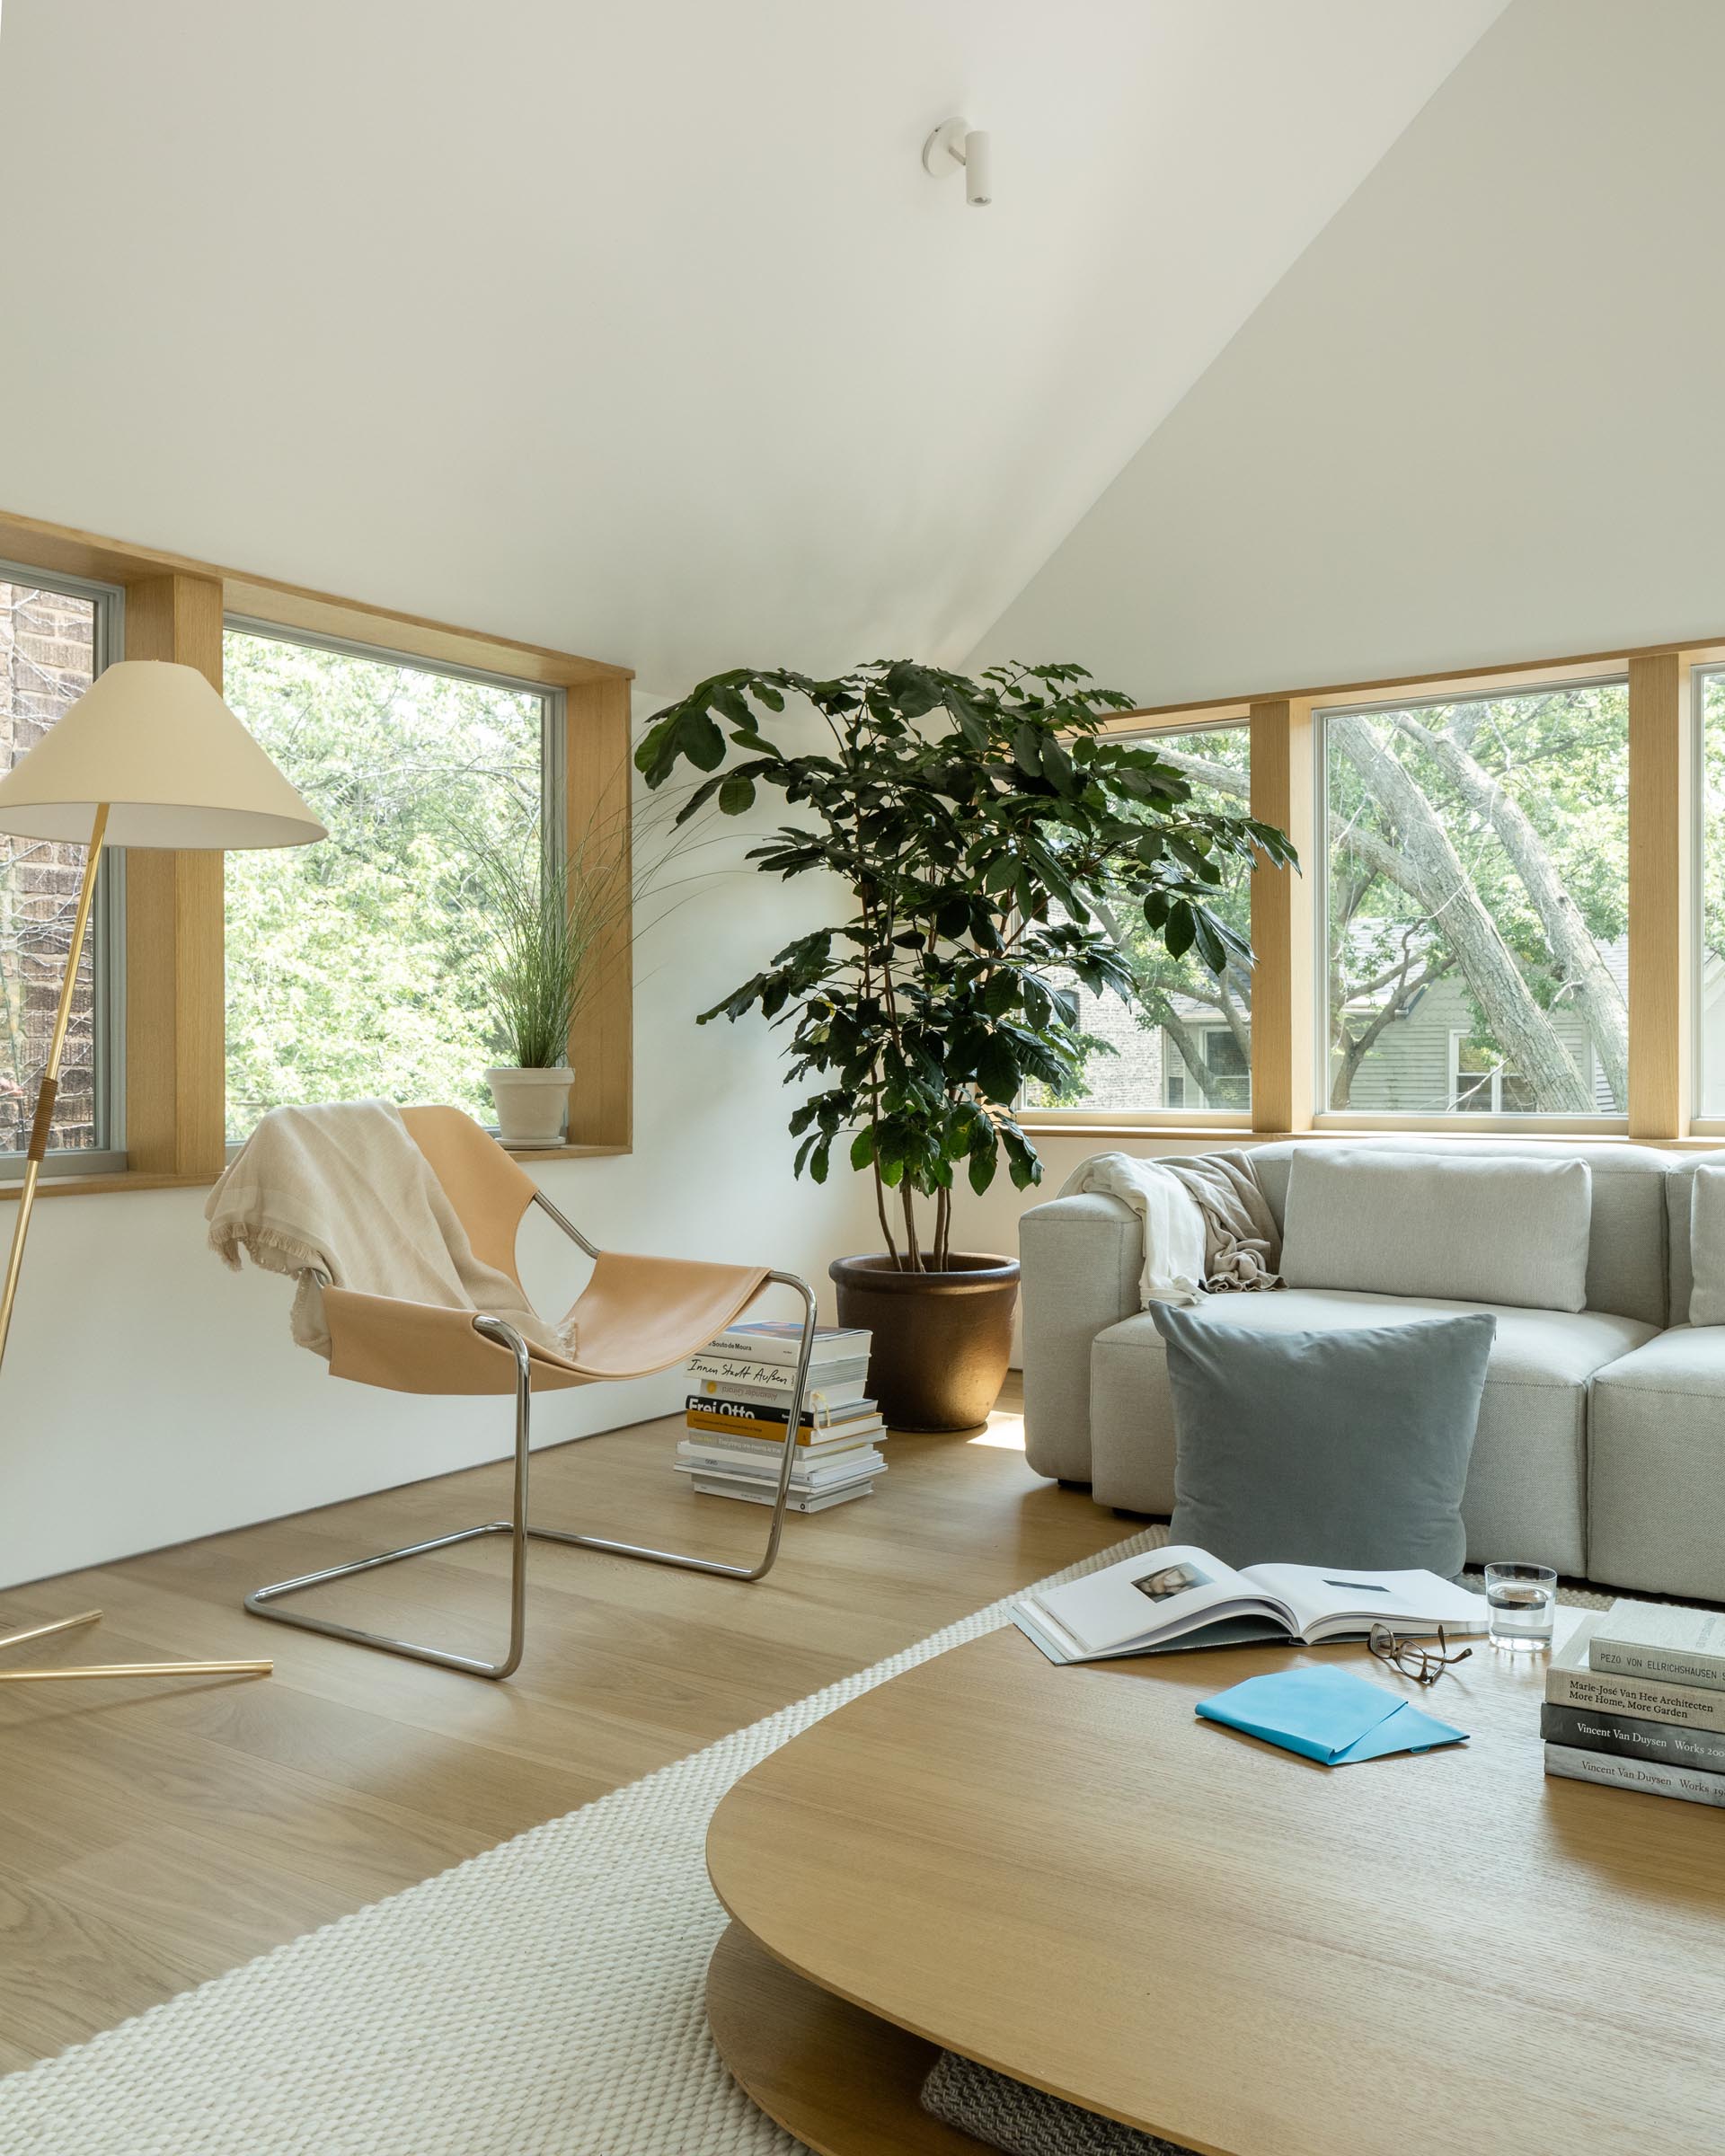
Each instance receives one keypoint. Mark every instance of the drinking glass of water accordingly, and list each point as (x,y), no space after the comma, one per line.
(1523,1600)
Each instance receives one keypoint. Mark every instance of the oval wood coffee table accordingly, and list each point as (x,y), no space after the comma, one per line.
(1062,1874)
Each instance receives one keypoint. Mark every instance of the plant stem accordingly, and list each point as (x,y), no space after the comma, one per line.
(942,1231)
(913,1249)
(886,1226)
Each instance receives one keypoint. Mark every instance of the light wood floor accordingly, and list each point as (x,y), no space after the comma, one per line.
(153,1834)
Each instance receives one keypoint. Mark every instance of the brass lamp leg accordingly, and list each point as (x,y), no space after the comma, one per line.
(49,1093)
(115,1669)
(43,1632)
(34,1159)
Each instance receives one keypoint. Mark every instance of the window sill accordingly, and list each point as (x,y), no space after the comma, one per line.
(526,1154)
(109,1183)
(1612,1132)
(100,1185)
(1226,1131)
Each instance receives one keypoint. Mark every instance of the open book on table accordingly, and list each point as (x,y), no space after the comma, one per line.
(1182,1597)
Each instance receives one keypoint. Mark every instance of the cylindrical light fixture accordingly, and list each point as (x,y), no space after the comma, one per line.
(955,146)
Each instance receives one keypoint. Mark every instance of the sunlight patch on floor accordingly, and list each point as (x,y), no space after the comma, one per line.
(1005,1434)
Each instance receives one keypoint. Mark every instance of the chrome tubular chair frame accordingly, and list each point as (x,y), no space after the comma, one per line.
(261,1602)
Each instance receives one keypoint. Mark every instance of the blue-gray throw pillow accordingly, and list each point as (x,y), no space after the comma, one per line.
(1325,1448)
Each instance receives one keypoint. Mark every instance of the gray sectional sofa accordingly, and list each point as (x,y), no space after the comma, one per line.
(1601,1441)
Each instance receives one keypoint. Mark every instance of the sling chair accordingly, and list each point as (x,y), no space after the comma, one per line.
(635,1316)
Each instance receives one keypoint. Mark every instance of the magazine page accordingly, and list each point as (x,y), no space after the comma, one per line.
(1157,1596)
(1328,1601)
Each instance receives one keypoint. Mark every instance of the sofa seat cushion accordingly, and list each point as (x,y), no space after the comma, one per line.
(1527,1483)
(1656,1466)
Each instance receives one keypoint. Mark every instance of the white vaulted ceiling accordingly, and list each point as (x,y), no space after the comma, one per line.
(637,328)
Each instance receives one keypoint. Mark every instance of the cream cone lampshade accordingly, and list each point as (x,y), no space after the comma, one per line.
(175,767)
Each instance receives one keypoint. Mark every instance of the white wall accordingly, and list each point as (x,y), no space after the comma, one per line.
(149,1396)
(1480,420)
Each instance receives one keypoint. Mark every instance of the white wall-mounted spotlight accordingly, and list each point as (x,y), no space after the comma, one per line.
(955,146)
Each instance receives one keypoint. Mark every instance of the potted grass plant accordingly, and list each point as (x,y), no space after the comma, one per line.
(547,919)
(975,825)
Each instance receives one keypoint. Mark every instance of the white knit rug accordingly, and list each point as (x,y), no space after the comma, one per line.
(541,1999)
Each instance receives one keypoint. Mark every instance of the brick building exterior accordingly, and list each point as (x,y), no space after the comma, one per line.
(46,642)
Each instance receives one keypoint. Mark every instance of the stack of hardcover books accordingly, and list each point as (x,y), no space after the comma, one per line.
(1637,1699)
(739,1417)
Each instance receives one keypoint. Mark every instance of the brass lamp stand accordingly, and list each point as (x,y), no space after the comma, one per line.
(151,748)
(49,1093)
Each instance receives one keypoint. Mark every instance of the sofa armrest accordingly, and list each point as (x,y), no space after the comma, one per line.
(1082,1260)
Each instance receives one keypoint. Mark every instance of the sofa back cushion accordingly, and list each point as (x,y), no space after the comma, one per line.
(1325,1448)
(1688,1235)
(1463,1229)
(1626,1238)
(1706,1246)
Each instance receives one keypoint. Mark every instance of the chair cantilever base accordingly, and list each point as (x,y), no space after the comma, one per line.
(261,1601)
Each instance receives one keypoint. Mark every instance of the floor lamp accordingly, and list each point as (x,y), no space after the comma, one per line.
(149,756)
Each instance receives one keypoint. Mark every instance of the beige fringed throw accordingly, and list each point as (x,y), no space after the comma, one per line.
(342,1196)
(1243,1246)
(1208,1227)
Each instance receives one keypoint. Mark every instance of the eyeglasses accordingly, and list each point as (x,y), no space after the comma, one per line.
(1415,1658)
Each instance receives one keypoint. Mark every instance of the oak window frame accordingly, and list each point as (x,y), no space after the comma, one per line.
(107,1156)
(1204,1122)
(553,740)
(1664,898)
(175,1028)
(1456,1122)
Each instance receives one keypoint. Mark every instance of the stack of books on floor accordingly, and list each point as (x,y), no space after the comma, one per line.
(1637,1699)
(739,1414)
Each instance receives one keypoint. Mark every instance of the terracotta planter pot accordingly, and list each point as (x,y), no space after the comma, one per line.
(943,1341)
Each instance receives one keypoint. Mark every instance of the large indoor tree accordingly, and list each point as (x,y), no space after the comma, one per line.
(986,834)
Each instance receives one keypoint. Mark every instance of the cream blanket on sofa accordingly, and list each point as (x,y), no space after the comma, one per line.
(342,1196)
(1208,1227)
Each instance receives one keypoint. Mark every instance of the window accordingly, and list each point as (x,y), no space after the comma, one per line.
(1710,988)
(354,966)
(1185,1042)
(1480,1085)
(1221,1076)
(53,643)
(1476,904)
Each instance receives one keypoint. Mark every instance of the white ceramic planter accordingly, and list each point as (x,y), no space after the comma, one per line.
(532,1106)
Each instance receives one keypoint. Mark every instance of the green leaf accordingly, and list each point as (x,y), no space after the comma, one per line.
(736,796)
(998,1070)
(703,744)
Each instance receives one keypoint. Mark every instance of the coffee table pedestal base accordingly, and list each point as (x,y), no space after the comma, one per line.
(840,2079)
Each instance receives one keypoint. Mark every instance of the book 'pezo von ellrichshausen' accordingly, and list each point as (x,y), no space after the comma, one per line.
(978,824)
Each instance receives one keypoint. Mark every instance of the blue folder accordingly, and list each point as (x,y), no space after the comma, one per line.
(1328,1715)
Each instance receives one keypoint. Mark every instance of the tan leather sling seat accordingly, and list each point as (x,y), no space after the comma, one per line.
(635,1316)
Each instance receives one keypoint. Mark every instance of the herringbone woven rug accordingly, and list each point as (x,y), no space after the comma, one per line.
(541,1999)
